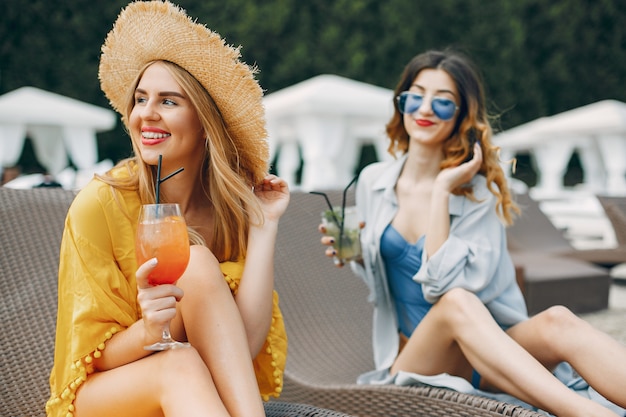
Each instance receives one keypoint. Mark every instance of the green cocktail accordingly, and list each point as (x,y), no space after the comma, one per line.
(348,245)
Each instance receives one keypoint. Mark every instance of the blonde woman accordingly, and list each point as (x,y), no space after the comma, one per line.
(184,96)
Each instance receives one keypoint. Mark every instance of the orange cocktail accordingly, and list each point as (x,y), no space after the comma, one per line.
(166,239)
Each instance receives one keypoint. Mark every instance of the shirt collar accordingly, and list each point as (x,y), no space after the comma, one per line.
(387,182)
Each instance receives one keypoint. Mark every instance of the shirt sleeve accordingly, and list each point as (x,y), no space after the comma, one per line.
(96,292)
(471,255)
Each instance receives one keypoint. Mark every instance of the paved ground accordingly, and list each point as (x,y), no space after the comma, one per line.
(613,320)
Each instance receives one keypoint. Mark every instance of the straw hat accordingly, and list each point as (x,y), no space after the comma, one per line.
(160,30)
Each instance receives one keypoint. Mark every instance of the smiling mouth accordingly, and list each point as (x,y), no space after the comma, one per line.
(154,135)
(150,138)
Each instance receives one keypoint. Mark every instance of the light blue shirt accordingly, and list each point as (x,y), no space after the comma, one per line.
(474,256)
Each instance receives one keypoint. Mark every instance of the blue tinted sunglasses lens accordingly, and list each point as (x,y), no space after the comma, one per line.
(443,108)
(409,102)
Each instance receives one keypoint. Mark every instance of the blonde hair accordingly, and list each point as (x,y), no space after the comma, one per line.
(472,125)
(227,186)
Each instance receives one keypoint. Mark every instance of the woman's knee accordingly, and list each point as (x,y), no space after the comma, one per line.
(202,254)
(556,326)
(459,298)
(459,305)
(557,319)
(203,269)
(185,365)
(142,387)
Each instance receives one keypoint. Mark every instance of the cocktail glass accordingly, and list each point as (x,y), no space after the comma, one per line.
(162,234)
(346,232)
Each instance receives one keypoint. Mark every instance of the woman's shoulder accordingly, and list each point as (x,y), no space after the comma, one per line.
(375,170)
(98,196)
(90,196)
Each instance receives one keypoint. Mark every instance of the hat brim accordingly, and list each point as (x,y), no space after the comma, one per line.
(158,30)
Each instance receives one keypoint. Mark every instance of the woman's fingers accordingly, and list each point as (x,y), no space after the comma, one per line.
(157,302)
(144,271)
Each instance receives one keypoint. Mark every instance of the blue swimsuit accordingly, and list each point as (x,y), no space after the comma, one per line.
(402,261)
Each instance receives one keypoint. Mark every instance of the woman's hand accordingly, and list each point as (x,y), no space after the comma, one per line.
(157,302)
(451,178)
(273,195)
(447,180)
(330,241)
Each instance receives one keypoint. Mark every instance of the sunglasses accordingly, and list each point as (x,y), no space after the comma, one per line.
(409,102)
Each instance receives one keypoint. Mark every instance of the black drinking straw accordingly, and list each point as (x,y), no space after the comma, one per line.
(330,206)
(343,204)
(343,207)
(160,180)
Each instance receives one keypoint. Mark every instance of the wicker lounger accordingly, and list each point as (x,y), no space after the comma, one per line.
(534,231)
(554,272)
(30,235)
(329,325)
(615,209)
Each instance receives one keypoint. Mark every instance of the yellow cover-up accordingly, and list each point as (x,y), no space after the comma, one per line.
(98,294)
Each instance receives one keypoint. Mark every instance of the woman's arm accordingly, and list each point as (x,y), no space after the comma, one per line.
(98,306)
(447,180)
(158,307)
(475,255)
(255,294)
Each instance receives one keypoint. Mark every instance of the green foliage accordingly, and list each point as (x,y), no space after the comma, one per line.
(537,57)
(576,49)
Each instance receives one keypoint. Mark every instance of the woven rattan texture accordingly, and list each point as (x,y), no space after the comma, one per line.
(329,321)
(283,409)
(32,224)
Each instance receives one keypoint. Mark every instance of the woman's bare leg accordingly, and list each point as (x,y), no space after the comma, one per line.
(557,335)
(213,325)
(459,330)
(171,383)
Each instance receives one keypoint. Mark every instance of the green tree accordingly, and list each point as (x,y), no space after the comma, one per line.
(537,58)
(577,49)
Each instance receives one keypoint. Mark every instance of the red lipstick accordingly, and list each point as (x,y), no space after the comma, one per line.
(153,136)
(424,122)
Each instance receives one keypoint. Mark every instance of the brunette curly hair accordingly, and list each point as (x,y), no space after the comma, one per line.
(472,124)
